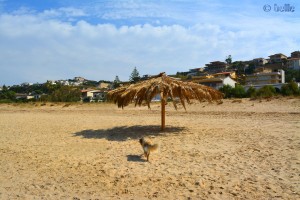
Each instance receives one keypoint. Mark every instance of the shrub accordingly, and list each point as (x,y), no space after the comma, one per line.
(251,92)
(227,90)
(266,91)
(238,92)
(6,101)
(7,94)
(290,89)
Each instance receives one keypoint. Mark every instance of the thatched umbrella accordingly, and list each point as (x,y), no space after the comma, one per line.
(166,86)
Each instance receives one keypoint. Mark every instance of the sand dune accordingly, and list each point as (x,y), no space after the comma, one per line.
(235,150)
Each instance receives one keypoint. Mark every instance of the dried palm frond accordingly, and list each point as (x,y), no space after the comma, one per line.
(166,86)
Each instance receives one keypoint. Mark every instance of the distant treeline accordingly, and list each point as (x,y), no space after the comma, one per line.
(46,92)
(60,93)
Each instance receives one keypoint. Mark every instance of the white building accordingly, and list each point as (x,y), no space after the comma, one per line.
(79,79)
(26,84)
(24,96)
(217,82)
(92,95)
(63,82)
(51,82)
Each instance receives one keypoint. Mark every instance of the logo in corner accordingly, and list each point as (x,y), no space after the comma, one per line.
(267,8)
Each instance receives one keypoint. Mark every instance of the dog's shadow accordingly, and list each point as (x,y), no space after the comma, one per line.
(135,158)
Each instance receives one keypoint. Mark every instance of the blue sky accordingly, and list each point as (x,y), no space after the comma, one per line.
(99,39)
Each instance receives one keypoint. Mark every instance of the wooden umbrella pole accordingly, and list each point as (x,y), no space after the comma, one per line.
(163,114)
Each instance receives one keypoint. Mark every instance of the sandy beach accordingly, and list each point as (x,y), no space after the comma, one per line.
(240,149)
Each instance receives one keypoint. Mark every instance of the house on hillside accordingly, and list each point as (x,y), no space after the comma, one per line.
(231,74)
(276,58)
(52,82)
(263,70)
(146,77)
(295,54)
(93,95)
(294,61)
(24,96)
(195,71)
(216,67)
(259,62)
(63,82)
(276,62)
(25,84)
(79,79)
(265,77)
(275,66)
(218,82)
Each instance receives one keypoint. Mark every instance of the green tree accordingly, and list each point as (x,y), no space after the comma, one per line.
(250,69)
(135,76)
(240,68)
(19,89)
(116,82)
(65,94)
(284,61)
(90,83)
(11,95)
(4,87)
(35,88)
(49,87)
(6,94)
(292,75)
(38,92)
(228,60)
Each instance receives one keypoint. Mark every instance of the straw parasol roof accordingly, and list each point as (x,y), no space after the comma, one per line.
(166,86)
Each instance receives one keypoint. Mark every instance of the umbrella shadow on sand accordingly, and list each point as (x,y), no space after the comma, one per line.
(123,133)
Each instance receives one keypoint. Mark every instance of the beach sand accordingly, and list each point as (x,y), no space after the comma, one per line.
(235,150)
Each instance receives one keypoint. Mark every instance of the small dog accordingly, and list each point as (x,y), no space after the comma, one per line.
(148,147)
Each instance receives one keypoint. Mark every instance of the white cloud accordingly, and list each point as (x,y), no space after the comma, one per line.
(63,12)
(132,9)
(38,47)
